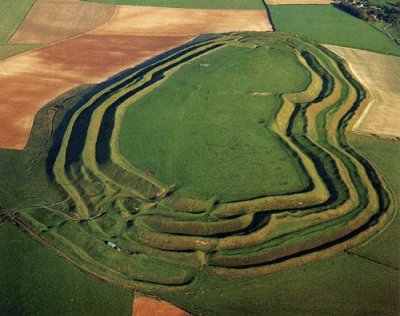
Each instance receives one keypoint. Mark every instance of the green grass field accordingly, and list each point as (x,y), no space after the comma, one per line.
(392,30)
(194,4)
(12,14)
(8,50)
(328,25)
(341,285)
(388,3)
(35,281)
(386,248)
(214,127)
(74,188)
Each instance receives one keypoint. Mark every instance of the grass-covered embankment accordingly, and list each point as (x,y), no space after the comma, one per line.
(171,242)
(213,129)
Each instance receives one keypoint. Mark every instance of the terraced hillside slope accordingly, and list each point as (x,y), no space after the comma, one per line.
(380,75)
(125,41)
(123,225)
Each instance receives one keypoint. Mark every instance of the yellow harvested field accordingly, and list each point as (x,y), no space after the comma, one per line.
(379,74)
(134,34)
(278,2)
(53,20)
(170,21)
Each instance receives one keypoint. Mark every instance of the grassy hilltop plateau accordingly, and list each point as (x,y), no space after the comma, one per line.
(226,157)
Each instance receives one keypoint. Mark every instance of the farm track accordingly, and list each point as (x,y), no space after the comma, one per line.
(165,240)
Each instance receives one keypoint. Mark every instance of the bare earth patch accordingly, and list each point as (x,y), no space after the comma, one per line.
(53,20)
(379,74)
(170,21)
(147,306)
(133,35)
(31,80)
(277,2)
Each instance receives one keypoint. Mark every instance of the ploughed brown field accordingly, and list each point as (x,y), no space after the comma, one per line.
(133,35)
(32,80)
(147,306)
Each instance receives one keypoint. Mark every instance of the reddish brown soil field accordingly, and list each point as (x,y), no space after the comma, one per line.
(133,35)
(31,80)
(147,306)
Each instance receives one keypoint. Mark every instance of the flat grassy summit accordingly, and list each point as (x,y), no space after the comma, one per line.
(207,127)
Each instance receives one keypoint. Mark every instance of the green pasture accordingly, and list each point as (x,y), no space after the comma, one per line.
(35,281)
(217,113)
(394,31)
(382,3)
(205,129)
(341,285)
(12,14)
(192,4)
(328,25)
(385,248)
(8,50)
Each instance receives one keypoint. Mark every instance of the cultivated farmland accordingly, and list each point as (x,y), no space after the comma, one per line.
(48,72)
(280,2)
(380,75)
(53,20)
(192,4)
(220,173)
(174,22)
(168,241)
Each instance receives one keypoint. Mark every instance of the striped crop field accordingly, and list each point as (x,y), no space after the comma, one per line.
(105,207)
